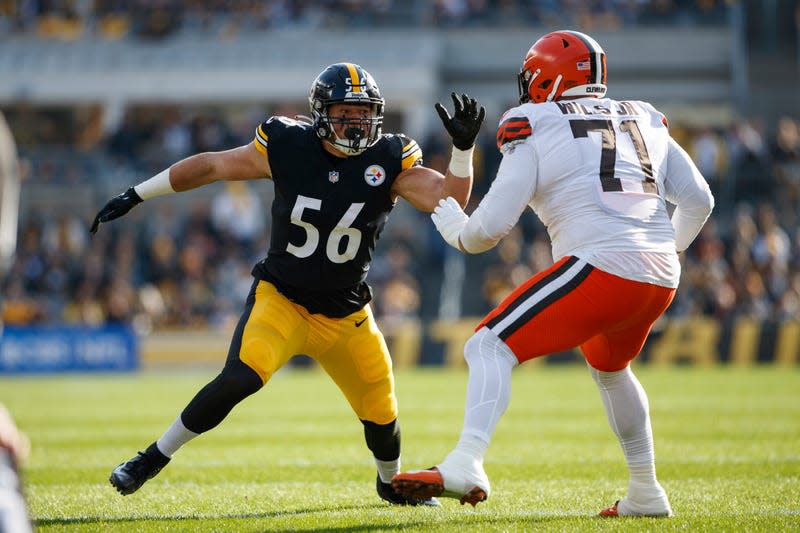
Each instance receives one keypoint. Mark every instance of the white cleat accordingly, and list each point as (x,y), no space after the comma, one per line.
(459,476)
(641,501)
(462,475)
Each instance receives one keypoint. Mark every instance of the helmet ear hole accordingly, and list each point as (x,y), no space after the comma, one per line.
(545,84)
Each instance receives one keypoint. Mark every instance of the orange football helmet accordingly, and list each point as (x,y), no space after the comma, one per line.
(561,64)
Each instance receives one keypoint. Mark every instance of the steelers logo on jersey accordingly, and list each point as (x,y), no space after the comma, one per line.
(374,175)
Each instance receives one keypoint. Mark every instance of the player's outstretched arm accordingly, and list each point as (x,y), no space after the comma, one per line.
(689,191)
(450,219)
(116,207)
(466,122)
(423,187)
(463,128)
(498,211)
(242,163)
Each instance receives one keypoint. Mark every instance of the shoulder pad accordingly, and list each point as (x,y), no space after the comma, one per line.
(656,115)
(277,123)
(412,153)
(275,127)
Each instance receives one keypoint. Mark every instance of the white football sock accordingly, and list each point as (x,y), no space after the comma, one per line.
(490,363)
(386,469)
(176,436)
(627,409)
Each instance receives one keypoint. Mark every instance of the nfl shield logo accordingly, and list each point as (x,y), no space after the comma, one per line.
(333,176)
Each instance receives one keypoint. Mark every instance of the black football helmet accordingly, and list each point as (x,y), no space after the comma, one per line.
(346,83)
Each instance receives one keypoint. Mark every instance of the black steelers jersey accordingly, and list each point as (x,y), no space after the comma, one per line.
(327,214)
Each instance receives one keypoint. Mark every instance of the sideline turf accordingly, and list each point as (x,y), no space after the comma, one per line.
(292,457)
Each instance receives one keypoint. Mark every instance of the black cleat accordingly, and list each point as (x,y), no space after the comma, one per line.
(386,492)
(130,475)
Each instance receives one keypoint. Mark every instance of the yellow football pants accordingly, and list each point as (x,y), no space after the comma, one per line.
(352,350)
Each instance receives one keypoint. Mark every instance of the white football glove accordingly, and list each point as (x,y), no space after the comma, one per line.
(449,219)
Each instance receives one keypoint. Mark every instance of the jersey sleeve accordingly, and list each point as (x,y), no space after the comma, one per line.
(657,116)
(412,153)
(261,140)
(688,190)
(504,203)
(272,129)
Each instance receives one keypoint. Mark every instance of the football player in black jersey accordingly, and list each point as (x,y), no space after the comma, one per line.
(337,177)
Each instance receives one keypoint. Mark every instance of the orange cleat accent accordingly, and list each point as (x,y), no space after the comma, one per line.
(473,497)
(610,512)
(424,484)
(624,508)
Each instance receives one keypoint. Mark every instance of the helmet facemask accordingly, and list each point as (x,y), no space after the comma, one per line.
(359,132)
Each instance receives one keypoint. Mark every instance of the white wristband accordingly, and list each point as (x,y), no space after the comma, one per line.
(158,185)
(461,162)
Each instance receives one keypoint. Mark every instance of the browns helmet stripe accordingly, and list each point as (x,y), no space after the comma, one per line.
(355,81)
(513,129)
(596,56)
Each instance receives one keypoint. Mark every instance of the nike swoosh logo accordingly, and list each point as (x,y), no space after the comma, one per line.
(359,322)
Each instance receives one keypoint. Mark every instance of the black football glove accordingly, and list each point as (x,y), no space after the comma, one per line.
(466,121)
(116,207)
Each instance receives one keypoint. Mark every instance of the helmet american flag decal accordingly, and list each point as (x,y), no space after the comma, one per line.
(596,56)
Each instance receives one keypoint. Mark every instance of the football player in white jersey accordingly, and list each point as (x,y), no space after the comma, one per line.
(599,174)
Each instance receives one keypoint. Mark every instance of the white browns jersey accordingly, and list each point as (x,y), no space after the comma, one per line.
(598,173)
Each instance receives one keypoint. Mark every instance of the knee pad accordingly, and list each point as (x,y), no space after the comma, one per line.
(484,344)
(239,380)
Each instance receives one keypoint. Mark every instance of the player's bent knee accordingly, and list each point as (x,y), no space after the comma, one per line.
(607,363)
(378,406)
(238,379)
(258,354)
(472,351)
(213,402)
(485,346)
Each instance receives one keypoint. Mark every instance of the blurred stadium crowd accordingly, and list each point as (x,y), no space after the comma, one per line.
(154,19)
(165,267)
(168,267)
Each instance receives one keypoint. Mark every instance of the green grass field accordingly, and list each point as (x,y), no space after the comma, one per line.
(292,457)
